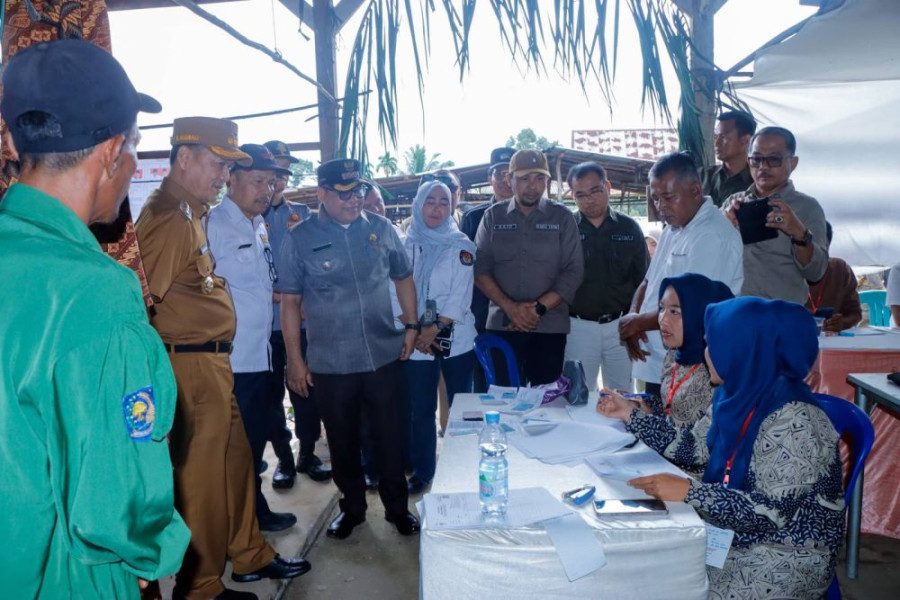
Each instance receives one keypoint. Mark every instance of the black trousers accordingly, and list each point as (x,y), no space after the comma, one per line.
(307,424)
(540,356)
(376,396)
(251,393)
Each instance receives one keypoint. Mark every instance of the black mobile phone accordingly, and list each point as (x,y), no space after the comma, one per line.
(751,218)
(825,312)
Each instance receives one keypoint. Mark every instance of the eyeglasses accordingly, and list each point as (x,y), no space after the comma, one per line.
(773,162)
(590,193)
(445,179)
(270,260)
(359,191)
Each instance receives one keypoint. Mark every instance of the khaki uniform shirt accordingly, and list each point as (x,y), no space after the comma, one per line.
(192,304)
(530,256)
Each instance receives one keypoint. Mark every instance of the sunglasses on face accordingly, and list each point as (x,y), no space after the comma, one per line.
(773,162)
(359,191)
(445,179)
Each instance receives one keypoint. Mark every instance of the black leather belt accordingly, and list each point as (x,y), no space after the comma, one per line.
(602,319)
(211,347)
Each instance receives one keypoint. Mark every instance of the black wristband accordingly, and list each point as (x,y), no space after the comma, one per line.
(414,326)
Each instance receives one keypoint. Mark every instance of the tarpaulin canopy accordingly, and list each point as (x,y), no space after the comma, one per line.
(836,85)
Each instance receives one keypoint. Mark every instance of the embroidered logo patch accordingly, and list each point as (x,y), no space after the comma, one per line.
(139,411)
(466,258)
(505,227)
(546,226)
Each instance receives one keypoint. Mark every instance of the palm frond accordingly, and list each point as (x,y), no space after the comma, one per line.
(580,51)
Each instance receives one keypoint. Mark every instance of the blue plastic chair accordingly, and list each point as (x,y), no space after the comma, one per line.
(851,422)
(879,311)
(484,344)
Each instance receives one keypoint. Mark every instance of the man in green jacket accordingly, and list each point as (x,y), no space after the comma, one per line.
(87,395)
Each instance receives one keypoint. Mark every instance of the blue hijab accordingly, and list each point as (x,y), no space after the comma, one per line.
(433,242)
(695,293)
(762,350)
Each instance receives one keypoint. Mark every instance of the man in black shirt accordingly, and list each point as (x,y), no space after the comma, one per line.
(615,263)
(732,140)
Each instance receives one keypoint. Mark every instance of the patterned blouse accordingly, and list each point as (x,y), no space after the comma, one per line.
(789,520)
(692,396)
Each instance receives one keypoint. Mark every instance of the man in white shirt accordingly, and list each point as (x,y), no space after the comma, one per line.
(240,246)
(698,239)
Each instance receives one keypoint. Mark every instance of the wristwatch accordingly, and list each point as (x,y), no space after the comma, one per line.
(806,241)
(540,309)
(414,326)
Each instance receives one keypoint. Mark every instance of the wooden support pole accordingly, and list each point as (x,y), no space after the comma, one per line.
(326,29)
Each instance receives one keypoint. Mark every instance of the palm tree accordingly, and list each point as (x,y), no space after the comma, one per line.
(584,47)
(417,161)
(387,164)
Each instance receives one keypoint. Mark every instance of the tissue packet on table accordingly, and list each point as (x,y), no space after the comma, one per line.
(554,390)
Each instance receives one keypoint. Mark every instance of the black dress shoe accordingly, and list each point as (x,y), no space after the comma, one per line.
(343,525)
(276,521)
(279,568)
(406,524)
(312,466)
(284,475)
(236,595)
(416,485)
(371,483)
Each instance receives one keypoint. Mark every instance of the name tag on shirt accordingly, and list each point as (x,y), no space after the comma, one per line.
(546,226)
(718,543)
(204,249)
(322,247)
(505,227)
(621,237)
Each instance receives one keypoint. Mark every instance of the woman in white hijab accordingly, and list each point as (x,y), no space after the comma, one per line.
(443,259)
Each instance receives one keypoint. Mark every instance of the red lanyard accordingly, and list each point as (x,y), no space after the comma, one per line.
(740,437)
(673,387)
(815,305)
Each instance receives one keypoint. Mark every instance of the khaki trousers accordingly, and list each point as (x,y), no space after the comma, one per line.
(214,480)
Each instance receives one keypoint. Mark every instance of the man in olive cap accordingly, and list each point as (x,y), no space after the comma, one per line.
(194,315)
(87,396)
(530,265)
(339,265)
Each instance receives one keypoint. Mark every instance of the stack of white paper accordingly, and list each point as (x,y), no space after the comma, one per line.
(587,413)
(570,442)
(463,510)
(624,466)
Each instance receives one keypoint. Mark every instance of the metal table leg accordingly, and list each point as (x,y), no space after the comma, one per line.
(855,509)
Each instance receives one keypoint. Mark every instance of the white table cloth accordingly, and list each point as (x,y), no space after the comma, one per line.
(651,558)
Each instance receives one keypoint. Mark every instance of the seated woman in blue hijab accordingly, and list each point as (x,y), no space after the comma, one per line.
(686,388)
(772,468)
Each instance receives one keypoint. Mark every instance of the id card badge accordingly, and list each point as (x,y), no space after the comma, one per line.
(718,543)
(430,315)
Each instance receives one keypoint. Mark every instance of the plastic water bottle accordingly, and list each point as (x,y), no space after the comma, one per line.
(493,468)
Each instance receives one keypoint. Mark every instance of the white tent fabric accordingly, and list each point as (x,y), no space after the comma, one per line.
(836,86)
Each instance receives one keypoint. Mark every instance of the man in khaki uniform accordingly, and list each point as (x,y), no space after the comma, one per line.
(194,315)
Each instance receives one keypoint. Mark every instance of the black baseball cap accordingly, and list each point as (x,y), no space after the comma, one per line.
(261,160)
(500,157)
(341,174)
(280,150)
(78,83)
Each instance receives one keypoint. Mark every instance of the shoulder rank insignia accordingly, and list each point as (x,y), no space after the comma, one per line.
(208,285)
(466,258)
(186,210)
(139,411)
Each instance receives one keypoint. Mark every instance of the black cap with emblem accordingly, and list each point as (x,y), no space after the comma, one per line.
(341,174)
